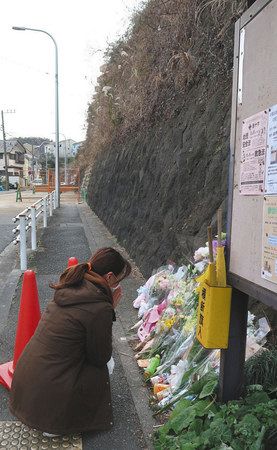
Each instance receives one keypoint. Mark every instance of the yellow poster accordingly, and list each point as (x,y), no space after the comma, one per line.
(269,253)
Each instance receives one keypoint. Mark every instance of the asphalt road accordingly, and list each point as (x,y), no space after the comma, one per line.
(9,209)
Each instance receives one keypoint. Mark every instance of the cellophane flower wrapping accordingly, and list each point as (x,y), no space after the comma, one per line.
(167,304)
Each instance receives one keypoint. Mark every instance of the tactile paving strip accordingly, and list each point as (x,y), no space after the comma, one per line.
(16,436)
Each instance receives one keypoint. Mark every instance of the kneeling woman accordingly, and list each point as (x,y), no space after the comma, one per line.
(61,381)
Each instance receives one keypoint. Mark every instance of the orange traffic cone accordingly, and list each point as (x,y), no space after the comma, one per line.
(28,319)
(72,261)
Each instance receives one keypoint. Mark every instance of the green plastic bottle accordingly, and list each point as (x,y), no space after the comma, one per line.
(152,366)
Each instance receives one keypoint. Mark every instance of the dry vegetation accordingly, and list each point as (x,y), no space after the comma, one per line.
(153,66)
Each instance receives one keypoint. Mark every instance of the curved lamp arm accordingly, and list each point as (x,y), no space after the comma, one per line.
(57,170)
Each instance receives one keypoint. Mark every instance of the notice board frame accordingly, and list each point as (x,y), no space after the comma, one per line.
(232,359)
(266,293)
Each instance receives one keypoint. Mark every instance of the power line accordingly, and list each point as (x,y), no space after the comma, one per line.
(35,69)
(27,66)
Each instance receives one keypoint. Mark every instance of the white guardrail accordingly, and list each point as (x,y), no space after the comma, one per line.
(28,221)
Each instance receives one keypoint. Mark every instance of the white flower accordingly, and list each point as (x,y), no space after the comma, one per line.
(200,266)
(201,253)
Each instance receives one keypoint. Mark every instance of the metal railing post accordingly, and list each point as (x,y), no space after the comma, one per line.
(51,204)
(23,249)
(45,211)
(33,228)
(41,207)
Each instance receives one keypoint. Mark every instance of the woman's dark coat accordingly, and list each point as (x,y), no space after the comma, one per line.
(61,382)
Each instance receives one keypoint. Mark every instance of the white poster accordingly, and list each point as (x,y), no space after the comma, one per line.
(269,249)
(271,154)
(253,150)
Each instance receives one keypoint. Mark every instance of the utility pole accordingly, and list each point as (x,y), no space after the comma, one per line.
(5,153)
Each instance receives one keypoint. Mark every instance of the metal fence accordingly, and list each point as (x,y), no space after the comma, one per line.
(28,220)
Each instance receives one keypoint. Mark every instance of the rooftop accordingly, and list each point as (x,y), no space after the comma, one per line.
(12,144)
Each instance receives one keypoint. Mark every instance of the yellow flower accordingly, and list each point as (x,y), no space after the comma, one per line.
(178,301)
(168,323)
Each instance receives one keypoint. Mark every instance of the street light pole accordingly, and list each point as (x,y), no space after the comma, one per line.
(46,166)
(46,160)
(33,163)
(65,160)
(57,168)
(65,163)
(5,154)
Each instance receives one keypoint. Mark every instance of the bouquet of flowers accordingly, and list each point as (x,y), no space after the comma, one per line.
(167,306)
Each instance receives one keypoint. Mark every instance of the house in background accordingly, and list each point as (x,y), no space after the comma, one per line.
(15,161)
(65,145)
(32,156)
(49,148)
(75,148)
(27,169)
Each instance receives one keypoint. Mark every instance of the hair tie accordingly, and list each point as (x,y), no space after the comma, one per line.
(89,266)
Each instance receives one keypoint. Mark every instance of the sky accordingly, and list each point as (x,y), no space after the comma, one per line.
(82,30)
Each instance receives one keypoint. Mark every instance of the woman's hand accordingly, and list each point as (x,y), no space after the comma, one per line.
(117,294)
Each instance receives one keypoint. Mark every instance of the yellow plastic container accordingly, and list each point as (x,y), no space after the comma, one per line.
(213,316)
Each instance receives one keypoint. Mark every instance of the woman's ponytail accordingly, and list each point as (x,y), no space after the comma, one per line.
(72,276)
(104,260)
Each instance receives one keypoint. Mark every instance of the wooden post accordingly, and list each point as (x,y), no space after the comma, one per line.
(232,360)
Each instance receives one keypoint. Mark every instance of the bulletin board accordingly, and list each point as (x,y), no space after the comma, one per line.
(252,202)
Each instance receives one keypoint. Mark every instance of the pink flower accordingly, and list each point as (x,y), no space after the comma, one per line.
(164,284)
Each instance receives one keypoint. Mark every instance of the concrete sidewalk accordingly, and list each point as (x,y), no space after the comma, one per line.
(75,230)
